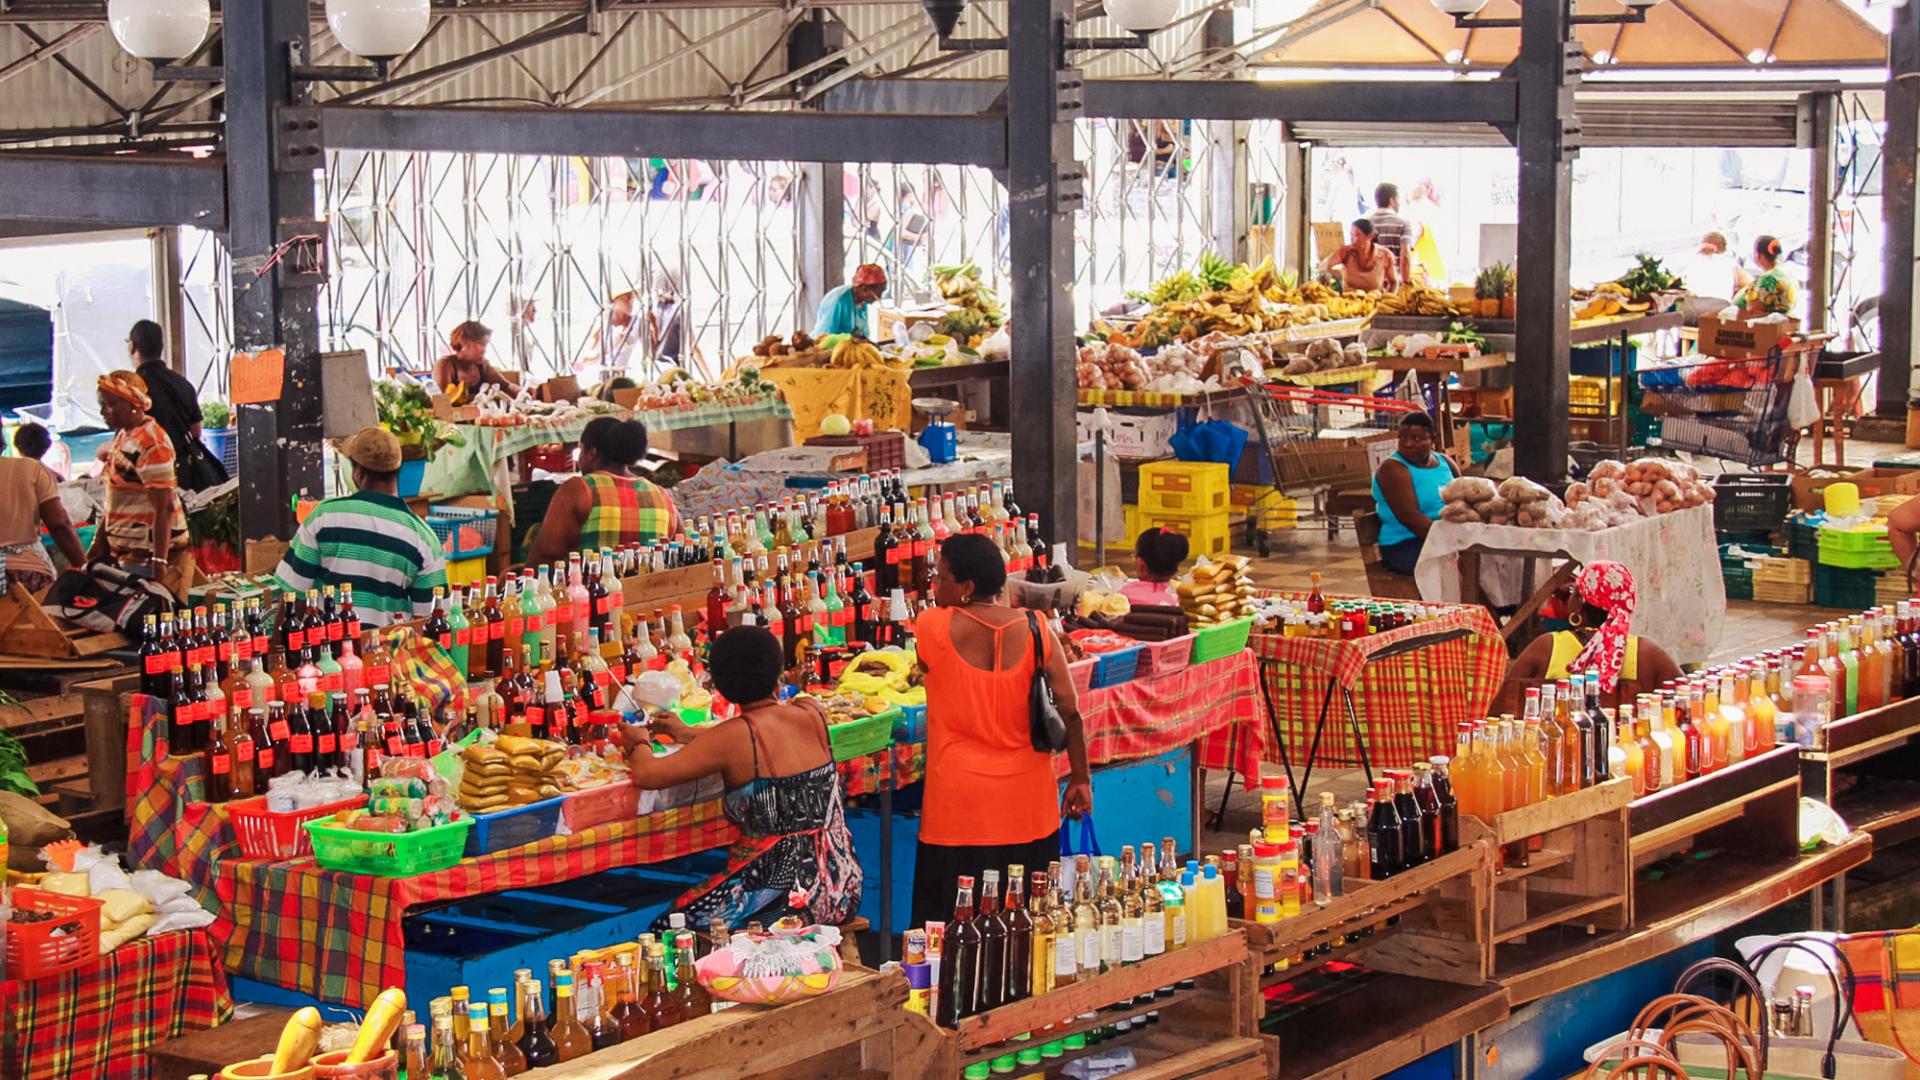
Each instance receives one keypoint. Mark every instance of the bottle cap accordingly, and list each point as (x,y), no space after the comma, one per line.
(1053,1049)
(1028,1056)
(1076,1041)
(1003,1064)
(977,1071)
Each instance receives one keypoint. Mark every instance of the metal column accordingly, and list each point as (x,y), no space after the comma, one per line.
(1816,133)
(821,209)
(1294,231)
(1227,159)
(168,304)
(1548,138)
(1044,188)
(280,450)
(1898,151)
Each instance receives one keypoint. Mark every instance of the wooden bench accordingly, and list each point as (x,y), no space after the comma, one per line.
(1380,580)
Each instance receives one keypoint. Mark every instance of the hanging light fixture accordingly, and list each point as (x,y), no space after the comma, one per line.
(1459,7)
(1142,16)
(159,29)
(378,29)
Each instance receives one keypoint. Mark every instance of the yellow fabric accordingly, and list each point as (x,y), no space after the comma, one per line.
(878,394)
(1426,256)
(1566,648)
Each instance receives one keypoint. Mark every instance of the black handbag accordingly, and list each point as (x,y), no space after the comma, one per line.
(1046,728)
(106,597)
(198,469)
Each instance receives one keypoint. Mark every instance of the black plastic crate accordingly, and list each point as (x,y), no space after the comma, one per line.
(1752,501)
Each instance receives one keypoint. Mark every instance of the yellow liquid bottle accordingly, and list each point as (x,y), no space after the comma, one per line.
(1513,767)
(1636,761)
(1536,761)
(1761,714)
(1734,715)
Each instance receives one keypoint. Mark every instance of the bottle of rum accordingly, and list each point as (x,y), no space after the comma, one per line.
(570,1040)
(960,960)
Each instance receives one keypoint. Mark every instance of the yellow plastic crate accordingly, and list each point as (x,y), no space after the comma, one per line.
(1184,487)
(1587,396)
(1207,534)
(467,571)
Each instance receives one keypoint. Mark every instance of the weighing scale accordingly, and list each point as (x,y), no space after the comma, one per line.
(940,439)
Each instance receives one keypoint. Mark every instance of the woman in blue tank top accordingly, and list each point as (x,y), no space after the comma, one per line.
(1406,493)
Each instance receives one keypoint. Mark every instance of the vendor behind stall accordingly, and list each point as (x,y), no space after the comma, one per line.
(466,366)
(30,498)
(1406,493)
(783,791)
(1364,265)
(1599,610)
(145,524)
(1157,555)
(844,310)
(607,505)
(369,540)
(1772,292)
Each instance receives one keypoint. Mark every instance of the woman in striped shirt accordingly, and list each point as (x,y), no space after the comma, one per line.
(607,505)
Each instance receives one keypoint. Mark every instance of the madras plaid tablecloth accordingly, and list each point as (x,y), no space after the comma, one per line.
(1216,704)
(99,1020)
(1408,705)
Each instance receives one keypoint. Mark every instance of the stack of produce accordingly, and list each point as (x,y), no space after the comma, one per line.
(976,310)
(1325,354)
(1415,300)
(1514,501)
(890,674)
(1216,592)
(512,772)
(1644,488)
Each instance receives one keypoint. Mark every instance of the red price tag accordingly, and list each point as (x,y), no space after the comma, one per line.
(537,716)
(353,629)
(334,683)
(843,617)
(243,648)
(582,610)
(396,746)
(618,671)
(804,624)
(260,647)
(778,628)
(300,744)
(606,604)
(243,698)
(462,637)
(434,748)
(416,750)
(226,652)
(446,641)
(536,623)
(497,630)
(516,627)
(266,758)
(351,740)
(277,731)
(222,764)
(243,751)
(329,744)
(157,665)
(899,553)
(921,547)
(378,674)
(336,631)
(296,640)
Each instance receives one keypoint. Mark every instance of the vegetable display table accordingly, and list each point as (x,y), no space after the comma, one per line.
(1674,559)
(100,1019)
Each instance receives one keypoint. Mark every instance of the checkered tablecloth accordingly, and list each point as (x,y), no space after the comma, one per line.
(1408,705)
(1216,704)
(100,1019)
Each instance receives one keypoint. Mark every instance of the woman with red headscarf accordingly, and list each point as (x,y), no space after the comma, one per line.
(1599,611)
(844,310)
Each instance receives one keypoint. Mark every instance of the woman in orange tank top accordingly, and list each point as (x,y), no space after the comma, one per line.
(991,798)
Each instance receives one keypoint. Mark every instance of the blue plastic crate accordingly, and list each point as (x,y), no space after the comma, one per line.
(911,727)
(1116,667)
(1600,359)
(515,827)
(450,523)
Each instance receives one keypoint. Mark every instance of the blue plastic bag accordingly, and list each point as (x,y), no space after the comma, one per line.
(1070,846)
(1212,440)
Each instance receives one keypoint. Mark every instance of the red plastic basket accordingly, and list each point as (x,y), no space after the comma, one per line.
(264,834)
(68,940)
(1159,658)
(555,457)
(598,806)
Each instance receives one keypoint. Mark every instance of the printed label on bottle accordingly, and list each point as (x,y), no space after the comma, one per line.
(265,756)
(1111,948)
(374,758)
(277,731)
(157,665)
(260,647)
(300,744)
(329,744)
(376,674)
(804,624)
(899,553)
(537,715)
(517,627)
(462,637)
(446,641)
(416,750)
(353,629)
(396,746)
(619,672)
(226,652)
(243,751)
(778,627)
(605,604)
(582,610)
(1263,883)
(536,623)
(1088,946)
(1154,934)
(243,648)
(1179,928)
(222,764)
(333,682)
(921,548)
(435,746)
(1064,960)
(497,631)
(843,617)
(243,698)
(350,740)
(296,640)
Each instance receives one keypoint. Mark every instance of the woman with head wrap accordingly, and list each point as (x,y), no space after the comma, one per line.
(1599,611)
(145,525)
(844,310)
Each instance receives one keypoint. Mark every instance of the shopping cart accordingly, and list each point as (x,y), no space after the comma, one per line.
(1734,410)
(1313,439)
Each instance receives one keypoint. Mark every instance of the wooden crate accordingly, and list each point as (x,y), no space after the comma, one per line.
(861,1027)
(1212,1029)
(1436,910)
(1582,872)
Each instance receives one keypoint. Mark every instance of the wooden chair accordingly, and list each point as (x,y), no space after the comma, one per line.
(1380,580)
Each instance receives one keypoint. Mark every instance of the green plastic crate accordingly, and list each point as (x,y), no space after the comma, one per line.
(1214,642)
(858,738)
(388,854)
(1852,550)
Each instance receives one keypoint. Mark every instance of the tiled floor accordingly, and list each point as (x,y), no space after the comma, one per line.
(1749,627)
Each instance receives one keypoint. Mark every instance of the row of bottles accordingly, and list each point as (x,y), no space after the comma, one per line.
(1561,744)
(1107,913)
(1316,615)
(596,1004)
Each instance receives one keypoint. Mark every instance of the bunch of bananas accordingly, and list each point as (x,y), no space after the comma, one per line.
(1606,299)
(1237,309)
(961,286)
(1415,300)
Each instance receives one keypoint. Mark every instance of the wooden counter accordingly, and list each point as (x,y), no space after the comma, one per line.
(1370,1024)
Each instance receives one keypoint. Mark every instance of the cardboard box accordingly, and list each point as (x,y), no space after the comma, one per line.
(1809,491)
(560,388)
(1738,339)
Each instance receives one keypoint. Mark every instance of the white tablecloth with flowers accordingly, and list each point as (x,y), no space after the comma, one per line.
(1674,559)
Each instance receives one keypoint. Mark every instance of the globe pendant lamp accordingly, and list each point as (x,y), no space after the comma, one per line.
(163,30)
(1142,16)
(378,29)
(1459,7)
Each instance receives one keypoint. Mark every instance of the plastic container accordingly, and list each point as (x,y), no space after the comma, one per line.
(1812,710)
(262,1069)
(264,834)
(599,806)
(1214,642)
(1857,549)
(1185,487)
(1752,501)
(465,532)
(515,827)
(388,854)
(70,939)
(333,1064)
(912,725)
(1209,534)
(1081,672)
(1115,667)
(866,735)
(1161,658)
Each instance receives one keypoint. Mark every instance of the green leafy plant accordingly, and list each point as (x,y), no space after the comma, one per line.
(13,758)
(407,411)
(1460,333)
(218,521)
(215,415)
(1648,275)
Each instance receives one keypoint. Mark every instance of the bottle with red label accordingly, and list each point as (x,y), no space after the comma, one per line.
(336,628)
(437,628)
(299,719)
(219,762)
(240,743)
(256,627)
(280,735)
(293,624)
(265,763)
(223,650)
(349,616)
(155,669)
(487,664)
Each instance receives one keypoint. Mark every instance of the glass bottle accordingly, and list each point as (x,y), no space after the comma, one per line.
(536,1043)
(570,1040)
(629,1013)
(663,1004)
(446,1063)
(1086,919)
(1328,878)
(512,1061)
(1415,842)
(1384,838)
(1020,932)
(1448,801)
(590,1006)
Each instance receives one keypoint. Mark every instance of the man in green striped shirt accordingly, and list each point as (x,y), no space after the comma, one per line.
(370,540)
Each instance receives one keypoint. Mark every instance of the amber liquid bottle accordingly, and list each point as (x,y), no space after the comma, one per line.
(1019,978)
(694,998)
(570,1040)
(960,964)
(241,743)
(476,1060)
(219,762)
(590,1002)
(629,1013)
(512,1061)
(662,1004)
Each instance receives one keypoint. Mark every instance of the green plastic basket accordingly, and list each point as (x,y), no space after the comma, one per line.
(1214,642)
(388,854)
(1853,550)
(858,738)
